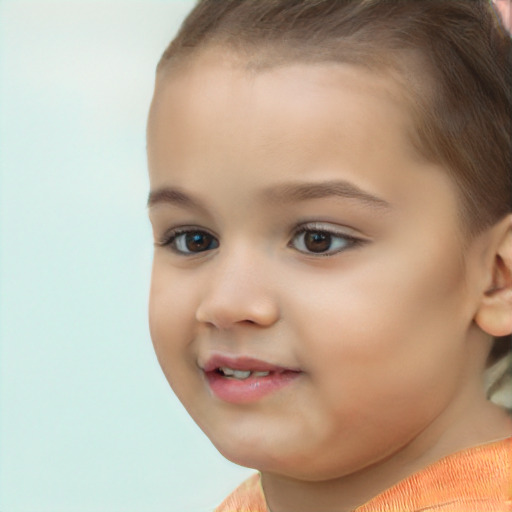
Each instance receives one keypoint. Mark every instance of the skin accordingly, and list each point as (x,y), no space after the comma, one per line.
(383,331)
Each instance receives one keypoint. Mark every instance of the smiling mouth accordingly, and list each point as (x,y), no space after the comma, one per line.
(241,374)
(243,367)
(244,380)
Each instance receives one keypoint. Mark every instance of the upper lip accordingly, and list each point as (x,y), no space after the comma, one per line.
(242,363)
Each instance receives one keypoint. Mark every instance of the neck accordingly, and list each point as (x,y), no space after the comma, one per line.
(480,423)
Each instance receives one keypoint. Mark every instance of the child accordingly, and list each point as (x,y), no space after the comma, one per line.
(331,207)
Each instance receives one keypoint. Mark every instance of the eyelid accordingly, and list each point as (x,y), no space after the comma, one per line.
(328,227)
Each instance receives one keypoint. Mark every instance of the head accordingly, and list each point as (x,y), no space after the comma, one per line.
(331,197)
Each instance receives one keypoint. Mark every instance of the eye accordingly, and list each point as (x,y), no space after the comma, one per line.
(321,241)
(190,241)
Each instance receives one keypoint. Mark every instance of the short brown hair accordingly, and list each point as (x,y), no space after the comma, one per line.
(460,49)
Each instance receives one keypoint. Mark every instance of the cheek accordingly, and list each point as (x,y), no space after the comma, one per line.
(387,330)
(382,354)
(171,321)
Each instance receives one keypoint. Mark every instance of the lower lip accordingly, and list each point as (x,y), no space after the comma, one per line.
(248,390)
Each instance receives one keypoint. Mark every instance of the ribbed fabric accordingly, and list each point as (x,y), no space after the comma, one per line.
(248,497)
(475,480)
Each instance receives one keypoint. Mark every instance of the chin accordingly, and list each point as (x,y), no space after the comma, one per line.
(250,454)
(267,459)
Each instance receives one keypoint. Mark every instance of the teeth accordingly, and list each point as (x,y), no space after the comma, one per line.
(241,374)
(228,372)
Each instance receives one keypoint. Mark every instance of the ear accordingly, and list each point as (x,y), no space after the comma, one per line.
(494,315)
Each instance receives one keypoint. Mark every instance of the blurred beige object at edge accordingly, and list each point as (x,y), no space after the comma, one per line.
(505,10)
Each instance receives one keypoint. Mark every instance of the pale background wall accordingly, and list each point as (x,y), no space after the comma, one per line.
(87,420)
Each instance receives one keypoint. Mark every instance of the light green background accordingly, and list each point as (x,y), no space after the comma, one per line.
(87,420)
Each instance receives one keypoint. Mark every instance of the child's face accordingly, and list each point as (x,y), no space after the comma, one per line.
(311,237)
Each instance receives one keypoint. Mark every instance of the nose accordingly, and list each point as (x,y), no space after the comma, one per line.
(238,291)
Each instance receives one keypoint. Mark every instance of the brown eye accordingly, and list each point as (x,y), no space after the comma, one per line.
(317,242)
(190,242)
(322,242)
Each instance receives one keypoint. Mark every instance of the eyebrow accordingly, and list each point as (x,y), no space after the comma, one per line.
(283,193)
(174,196)
(296,192)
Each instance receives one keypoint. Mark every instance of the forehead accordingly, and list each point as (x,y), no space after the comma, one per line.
(216,124)
(217,92)
(222,73)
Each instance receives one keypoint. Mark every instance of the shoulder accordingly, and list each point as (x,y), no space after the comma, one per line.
(247,497)
(477,479)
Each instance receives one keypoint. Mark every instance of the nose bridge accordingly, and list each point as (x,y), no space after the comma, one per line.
(238,289)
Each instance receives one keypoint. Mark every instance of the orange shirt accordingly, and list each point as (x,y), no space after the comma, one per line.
(475,480)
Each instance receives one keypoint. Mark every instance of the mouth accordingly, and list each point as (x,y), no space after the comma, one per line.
(243,367)
(244,380)
(240,374)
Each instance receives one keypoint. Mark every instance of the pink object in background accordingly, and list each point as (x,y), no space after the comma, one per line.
(505,11)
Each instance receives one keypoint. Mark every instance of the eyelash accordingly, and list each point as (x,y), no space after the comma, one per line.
(171,239)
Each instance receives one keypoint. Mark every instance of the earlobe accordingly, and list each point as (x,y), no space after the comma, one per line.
(494,315)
